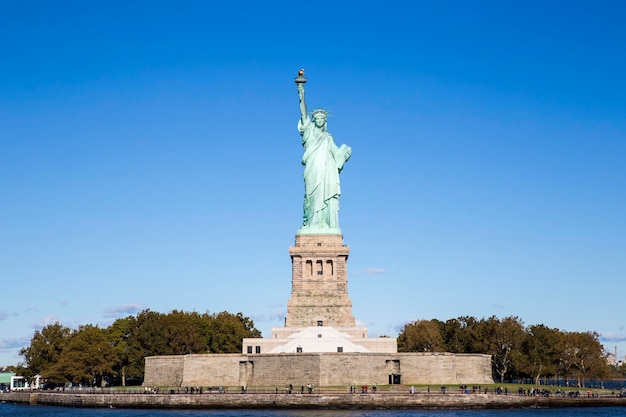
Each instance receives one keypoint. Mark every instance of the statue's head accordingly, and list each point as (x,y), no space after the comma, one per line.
(319,118)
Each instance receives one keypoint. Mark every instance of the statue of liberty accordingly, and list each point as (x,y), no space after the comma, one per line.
(323,161)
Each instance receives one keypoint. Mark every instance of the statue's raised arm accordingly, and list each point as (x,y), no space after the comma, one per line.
(300,80)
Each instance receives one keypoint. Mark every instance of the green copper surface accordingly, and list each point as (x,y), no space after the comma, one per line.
(323,161)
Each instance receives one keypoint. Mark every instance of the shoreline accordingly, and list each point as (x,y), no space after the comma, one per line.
(382,401)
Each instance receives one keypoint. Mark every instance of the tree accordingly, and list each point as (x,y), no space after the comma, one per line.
(584,357)
(453,336)
(178,333)
(146,338)
(463,335)
(541,351)
(227,331)
(44,350)
(421,336)
(88,357)
(185,333)
(473,334)
(504,341)
(119,334)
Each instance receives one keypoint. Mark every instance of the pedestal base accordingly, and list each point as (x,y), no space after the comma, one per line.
(319,294)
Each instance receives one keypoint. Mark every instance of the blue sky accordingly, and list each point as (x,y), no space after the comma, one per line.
(149,158)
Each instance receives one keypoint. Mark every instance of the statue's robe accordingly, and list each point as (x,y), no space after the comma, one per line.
(323,161)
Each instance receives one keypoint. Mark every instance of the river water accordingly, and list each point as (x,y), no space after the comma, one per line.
(46,411)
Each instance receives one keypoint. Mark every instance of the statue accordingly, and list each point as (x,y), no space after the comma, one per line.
(323,161)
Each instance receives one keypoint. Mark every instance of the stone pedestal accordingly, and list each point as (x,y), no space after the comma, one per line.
(319,283)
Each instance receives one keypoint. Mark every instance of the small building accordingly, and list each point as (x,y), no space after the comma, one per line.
(19,383)
(9,381)
(5,380)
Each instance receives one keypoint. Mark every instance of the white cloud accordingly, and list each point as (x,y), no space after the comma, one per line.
(613,337)
(14,342)
(277,316)
(4,315)
(397,328)
(123,310)
(48,320)
(370,271)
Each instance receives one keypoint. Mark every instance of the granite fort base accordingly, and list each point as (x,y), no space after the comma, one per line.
(318,369)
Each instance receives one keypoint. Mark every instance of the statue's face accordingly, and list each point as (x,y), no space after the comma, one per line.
(319,120)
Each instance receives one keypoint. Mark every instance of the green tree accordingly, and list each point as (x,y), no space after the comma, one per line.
(119,333)
(504,341)
(146,338)
(453,336)
(227,331)
(421,336)
(91,353)
(473,334)
(541,351)
(44,350)
(88,357)
(584,357)
(186,333)
(464,334)
(177,333)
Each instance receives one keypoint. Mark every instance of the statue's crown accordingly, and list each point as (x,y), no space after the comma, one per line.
(319,111)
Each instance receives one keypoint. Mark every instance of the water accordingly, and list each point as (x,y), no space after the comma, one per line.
(46,411)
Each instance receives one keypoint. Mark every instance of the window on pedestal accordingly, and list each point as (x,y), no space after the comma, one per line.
(339,348)
(329,268)
(299,349)
(319,267)
(309,267)
(249,349)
